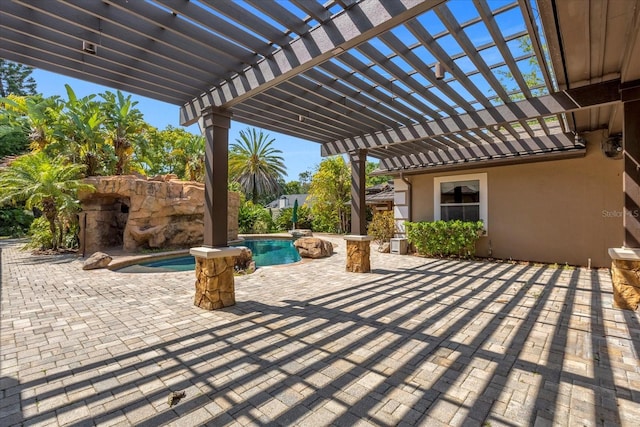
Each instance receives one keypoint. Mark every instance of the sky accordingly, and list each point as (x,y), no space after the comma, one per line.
(299,155)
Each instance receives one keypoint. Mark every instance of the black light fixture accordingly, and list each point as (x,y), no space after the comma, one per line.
(612,146)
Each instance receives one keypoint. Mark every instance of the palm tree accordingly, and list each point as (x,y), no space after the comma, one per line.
(255,164)
(48,184)
(33,115)
(194,158)
(124,124)
(80,135)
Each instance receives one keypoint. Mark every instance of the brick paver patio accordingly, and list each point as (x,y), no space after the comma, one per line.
(415,342)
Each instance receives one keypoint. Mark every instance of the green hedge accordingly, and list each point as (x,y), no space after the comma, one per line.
(254,219)
(305,219)
(445,238)
(14,222)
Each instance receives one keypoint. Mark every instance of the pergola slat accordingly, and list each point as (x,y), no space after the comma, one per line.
(350,75)
(350,28)
(130,46)
(559,102)
(530,146)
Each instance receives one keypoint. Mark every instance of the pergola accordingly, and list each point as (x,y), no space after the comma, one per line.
(418,84)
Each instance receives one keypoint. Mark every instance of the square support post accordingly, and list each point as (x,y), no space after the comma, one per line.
(625,268)
(358,160)
(215,125)
(358,243)
(631,184)
(215,284)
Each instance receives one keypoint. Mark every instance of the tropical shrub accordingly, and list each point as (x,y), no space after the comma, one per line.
(12,140)
(305,219)
(331,194)
(14,222)
(382,227)
(40,236)
(254,219)
(50,185)
(445,238)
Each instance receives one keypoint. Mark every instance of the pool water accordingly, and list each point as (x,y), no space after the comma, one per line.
(272,252)
(265,253)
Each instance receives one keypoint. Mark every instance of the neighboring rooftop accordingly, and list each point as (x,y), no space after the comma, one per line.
(287,201)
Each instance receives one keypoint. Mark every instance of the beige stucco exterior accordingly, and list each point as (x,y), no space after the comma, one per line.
(561,211)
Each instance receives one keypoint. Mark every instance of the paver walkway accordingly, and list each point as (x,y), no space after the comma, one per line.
(415,342)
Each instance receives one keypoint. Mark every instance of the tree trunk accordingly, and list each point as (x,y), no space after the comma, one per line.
(60,231)
(254,193)
(51,213)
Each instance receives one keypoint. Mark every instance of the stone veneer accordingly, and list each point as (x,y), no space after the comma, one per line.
(625,277)
(215,284)
(135,212)
(358,254)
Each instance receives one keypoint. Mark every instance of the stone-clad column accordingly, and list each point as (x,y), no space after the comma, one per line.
(215,125)
(215,287)
(358,160)
(625,268)
(358,243)
(358,254)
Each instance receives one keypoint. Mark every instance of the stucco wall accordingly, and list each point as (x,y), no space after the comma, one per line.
(563,211)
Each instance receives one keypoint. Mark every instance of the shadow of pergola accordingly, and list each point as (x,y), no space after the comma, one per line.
(448,342)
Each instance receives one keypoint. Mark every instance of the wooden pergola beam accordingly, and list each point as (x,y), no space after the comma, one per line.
(348,29)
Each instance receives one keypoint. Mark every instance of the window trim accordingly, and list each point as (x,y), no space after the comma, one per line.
(484,195)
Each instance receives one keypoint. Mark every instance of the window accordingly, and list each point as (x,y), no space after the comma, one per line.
(462,197)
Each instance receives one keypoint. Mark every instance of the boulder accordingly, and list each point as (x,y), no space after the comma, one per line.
(244,262)
(301,232)
(97,260)
(313,247)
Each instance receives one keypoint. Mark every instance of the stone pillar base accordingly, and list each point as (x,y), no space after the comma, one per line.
(358,253)
(625,276)
(215,286)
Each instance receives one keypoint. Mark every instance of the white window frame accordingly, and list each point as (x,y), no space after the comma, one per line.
(484,195)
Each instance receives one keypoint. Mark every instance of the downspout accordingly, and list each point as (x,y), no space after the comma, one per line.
(409,195)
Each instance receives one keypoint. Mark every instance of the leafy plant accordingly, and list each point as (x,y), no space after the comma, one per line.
(40,236)
(254,218)
(382,227)
(123,124)
(14,222)
(283,220)
(51,185)
(445,238)
(331,192)
(12,140)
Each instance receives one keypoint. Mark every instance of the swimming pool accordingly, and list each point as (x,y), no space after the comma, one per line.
(265,253)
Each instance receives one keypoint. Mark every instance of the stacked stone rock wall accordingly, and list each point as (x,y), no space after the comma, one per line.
(161,213)
(358,256)
(625,276)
